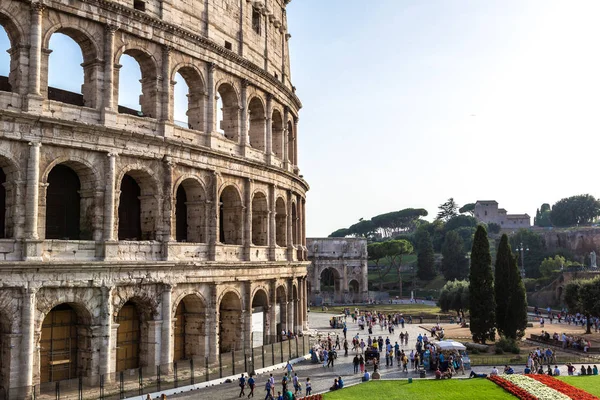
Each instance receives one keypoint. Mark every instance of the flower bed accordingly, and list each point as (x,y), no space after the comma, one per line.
(535,388)
(565,388)
(512,388)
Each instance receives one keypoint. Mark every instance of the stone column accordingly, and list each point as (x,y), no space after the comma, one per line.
(269,126)
(305,296)
(166,108)
(213,221)
(109,198)
(290,306)
(272,308)
(108,111)
(344,282)
(168,208)
(108,340)
(210,104)
(33,191)
(166,350)
(241,31)
(272,224)
(28,349)
(286,147)
(296,163)
(244,139)
(289,238)
(247,315)
(35,57)
(247,240)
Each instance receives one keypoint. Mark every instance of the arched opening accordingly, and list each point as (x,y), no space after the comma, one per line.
(188,104)
(63,204)
(280,222)
(130,227)
(72,74)
(230,323)
(2,204)
(189,333)
(260,316)
(281,315)
(64,345)
(354,290)
(137,207)
(330,285)
(230,217)
(260,220)
(5,58)
(296,308)
(138,100)
(228,124)
(128,337)
(256,124)
(181,217)
(291,144)
(190,209)
(294,224)
(277,133)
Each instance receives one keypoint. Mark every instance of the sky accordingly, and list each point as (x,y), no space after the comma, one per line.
(408,103)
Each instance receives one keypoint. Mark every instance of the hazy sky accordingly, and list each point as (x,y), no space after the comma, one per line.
(407,103)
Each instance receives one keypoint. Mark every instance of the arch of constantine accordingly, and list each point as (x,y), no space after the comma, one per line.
(129,239)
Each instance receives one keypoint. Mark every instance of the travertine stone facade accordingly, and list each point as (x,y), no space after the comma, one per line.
(338,270)
(487,211)
(114,220)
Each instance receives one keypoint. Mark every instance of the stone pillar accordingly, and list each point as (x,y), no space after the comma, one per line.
(28,349)
(289,238)
(166,349)
(168,209)
(33,191)
(210,104)
(269,127)
(305,302)
(286,147)
(244,139)
(154,343)
(272,308)
(109,198)
(247,316)
(166,107)
(35,58)
(272,224)
(213,221)
(247,240)
(365,281)
(344,282)
(106,361)
(241,31)
(290,306)
(108,111)
(296,163)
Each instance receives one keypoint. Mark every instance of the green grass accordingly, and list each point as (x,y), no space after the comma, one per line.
(453,389)
(590,384)
(407,309)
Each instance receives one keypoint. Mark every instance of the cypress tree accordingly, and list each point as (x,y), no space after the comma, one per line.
(481,285)
(454,261)
(516,312)
(425,257)
(504,260)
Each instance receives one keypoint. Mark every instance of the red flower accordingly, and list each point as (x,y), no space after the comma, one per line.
(563,387)
(512,388)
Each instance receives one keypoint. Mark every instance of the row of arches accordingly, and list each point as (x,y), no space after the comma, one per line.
(137,89)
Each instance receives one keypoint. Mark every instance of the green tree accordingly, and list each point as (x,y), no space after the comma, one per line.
(542,216)
(494,228)
(363,228)
(447,210)
(509,291)
(425,256)
(460,221)
(552,265)
(481,286)
(454,262)
(387,256)
(454,296)
(395,222)
(581,296)
(468,208)
(535,251)
(575,210)
(340,233)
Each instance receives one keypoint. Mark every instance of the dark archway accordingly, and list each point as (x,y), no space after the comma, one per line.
(260,322)
(63,204)
(230,217)
(2,204)
(294,224)
(128,337)
(256,124)
(189,332)
(130,226)
(354,290)
(179,334)
(260,220)
(330,285)
(277,134)
(190,212)
(181,215)
(230,324)
(280,222)
(281,314)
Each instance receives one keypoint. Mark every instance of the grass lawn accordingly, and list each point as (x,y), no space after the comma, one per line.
(411,309)
(590,384)
(452,389)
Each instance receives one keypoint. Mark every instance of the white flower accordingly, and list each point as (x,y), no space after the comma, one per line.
(537,389)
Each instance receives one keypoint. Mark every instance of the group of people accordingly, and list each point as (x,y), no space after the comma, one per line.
(568,341)
(539,357)
(288,383)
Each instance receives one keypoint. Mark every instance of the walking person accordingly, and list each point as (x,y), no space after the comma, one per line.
(361,363)
(308,387)
(355,362)
(242,384)
(251,383)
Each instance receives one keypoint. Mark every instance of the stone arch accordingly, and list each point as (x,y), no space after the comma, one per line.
(78,207)
(291,135)
(280,222)
(190,210)
(277,133)
(257,123)
(228,101)
(10,174)
(14,81)
(189,331)
(281,314)
(230,322)
(354,290)
(330,284)
(134,224)
(196,94)
(92,71)
(231,219)
(260,219)
(149,73)
(260,317)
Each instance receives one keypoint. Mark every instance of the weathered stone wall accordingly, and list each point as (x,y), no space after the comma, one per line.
(249,187)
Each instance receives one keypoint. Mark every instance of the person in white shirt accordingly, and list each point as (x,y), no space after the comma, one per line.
(494,371)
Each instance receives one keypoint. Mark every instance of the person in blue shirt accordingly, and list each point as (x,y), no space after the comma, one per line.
(527,370)
(340,383)
(251,383)
(279,396)
(242,380)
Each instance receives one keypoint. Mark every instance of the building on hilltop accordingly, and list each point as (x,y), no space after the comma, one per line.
(487,211)
(338,270)
(129,240)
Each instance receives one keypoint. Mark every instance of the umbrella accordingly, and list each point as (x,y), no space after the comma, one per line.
(450,345)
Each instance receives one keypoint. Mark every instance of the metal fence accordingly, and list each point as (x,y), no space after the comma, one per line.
(140,381)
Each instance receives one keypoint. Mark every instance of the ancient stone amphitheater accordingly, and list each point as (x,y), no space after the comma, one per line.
(128,240)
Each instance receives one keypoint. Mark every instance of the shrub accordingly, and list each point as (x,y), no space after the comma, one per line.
(508,345)
(499,351)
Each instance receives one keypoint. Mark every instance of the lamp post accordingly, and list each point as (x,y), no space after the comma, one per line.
(522,249)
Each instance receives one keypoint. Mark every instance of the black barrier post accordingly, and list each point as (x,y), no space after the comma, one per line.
(245,361)
(262,349)
(191,371)
(220,366)
(80,387)
(233,361)
(158,377)
(175,371)
(297,355)
(206,369)
(101,387)
(121,386)
(289,349)
(303,345)
(281,344)
(57,393)
(252,354)
(272,353)
(140,382)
